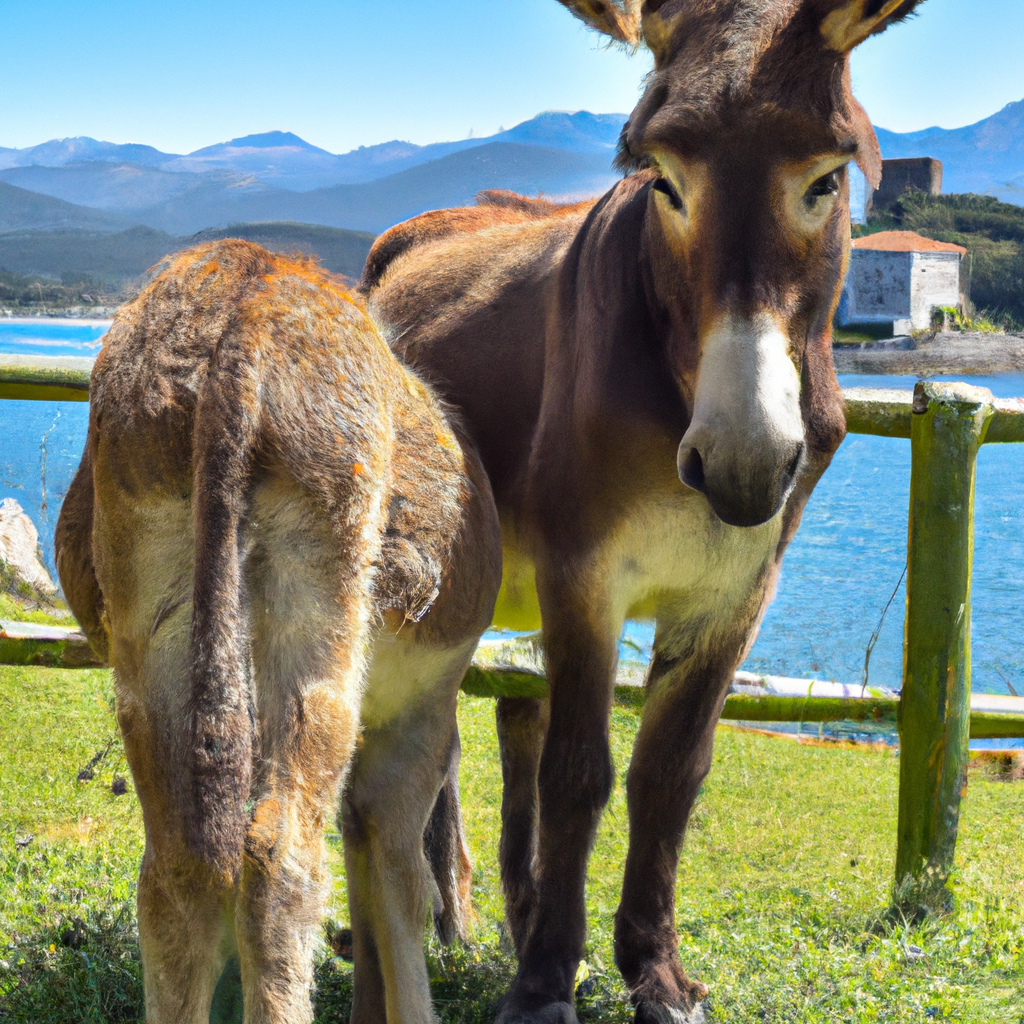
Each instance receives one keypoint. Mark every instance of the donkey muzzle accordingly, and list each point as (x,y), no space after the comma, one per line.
(745,443)
(740,494)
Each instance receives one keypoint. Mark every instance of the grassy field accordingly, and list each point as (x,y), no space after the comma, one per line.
(781,903)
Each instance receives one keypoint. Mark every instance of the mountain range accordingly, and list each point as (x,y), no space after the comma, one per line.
(987,157)
(84,185)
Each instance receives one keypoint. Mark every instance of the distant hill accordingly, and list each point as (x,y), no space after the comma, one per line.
(21,209)
(83,185)
(374,206)
(106,185)
(339,251)
(111,257)
(281,159)
(117,258)
(284,160)
(987,157)
(581,132)
(57,152)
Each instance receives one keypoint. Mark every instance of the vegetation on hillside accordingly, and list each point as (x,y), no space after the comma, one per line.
(340,251)
(64,268)
(781,905)
(31,292)
(114,258)
(991,231)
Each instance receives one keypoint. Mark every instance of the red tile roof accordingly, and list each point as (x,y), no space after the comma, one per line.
(905,241)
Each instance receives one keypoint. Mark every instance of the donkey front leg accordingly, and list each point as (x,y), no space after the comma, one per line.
(687,684)
(575,782)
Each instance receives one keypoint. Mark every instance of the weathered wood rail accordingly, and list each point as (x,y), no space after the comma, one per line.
(946,425)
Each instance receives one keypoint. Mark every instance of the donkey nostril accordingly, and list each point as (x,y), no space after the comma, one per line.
(691,471)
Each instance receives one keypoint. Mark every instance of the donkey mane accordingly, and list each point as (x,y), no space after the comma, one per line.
(494,208)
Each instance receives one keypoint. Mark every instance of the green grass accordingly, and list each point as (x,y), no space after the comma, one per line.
(783,888)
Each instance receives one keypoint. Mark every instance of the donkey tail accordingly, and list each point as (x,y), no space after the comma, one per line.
(219,736)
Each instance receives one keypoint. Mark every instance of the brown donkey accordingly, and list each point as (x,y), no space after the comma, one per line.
(287,552)
(650,384)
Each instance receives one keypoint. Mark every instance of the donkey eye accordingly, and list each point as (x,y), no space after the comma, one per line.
(666,187)
(826,185)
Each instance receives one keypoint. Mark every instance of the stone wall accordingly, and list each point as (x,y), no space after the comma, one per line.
(934,281)
(923,173)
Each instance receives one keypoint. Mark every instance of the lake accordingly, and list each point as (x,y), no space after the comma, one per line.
(836,580)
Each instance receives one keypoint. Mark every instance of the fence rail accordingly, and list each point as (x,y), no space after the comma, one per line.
(946,424)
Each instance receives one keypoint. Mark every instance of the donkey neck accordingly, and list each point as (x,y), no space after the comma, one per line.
(606,346)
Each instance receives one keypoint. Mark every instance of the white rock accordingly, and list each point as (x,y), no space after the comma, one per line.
(19,547)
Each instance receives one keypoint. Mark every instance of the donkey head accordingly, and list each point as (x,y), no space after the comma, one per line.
(745,130)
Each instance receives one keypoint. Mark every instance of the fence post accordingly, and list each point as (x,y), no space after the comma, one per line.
(947,428)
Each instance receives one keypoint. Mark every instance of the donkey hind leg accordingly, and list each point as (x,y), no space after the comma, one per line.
(522,725)
(671,757)
(394,783)
(444,843)
(309,623)
(183,908)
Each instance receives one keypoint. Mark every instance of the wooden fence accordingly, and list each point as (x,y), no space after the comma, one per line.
(946,425)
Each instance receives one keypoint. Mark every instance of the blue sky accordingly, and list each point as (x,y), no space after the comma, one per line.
(342,73)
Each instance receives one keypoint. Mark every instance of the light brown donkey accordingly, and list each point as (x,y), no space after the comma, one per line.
(287,552)
(649,381)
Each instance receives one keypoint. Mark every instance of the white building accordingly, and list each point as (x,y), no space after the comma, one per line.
(900,278)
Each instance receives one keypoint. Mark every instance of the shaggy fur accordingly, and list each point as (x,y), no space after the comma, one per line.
(584,346)
(288,551)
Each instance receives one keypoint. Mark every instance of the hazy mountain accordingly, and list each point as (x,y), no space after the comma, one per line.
(339,251)
(453,180)
(277,158)
(987,157)
(118,257)
(57,152)
(21,209)
(581,132)
(106,186)
(284,160)
(277,176)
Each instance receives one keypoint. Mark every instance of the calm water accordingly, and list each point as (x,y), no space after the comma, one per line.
(53,337)
(838,575)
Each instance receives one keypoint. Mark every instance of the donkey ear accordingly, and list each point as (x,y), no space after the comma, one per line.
(848,23)
(619,19)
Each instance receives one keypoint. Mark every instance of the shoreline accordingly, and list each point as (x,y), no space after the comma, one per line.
(971,354)
(949,353)
(63,320)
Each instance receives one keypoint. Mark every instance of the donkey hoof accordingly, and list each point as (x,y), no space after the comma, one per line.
(648,1012)
(549,1013)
